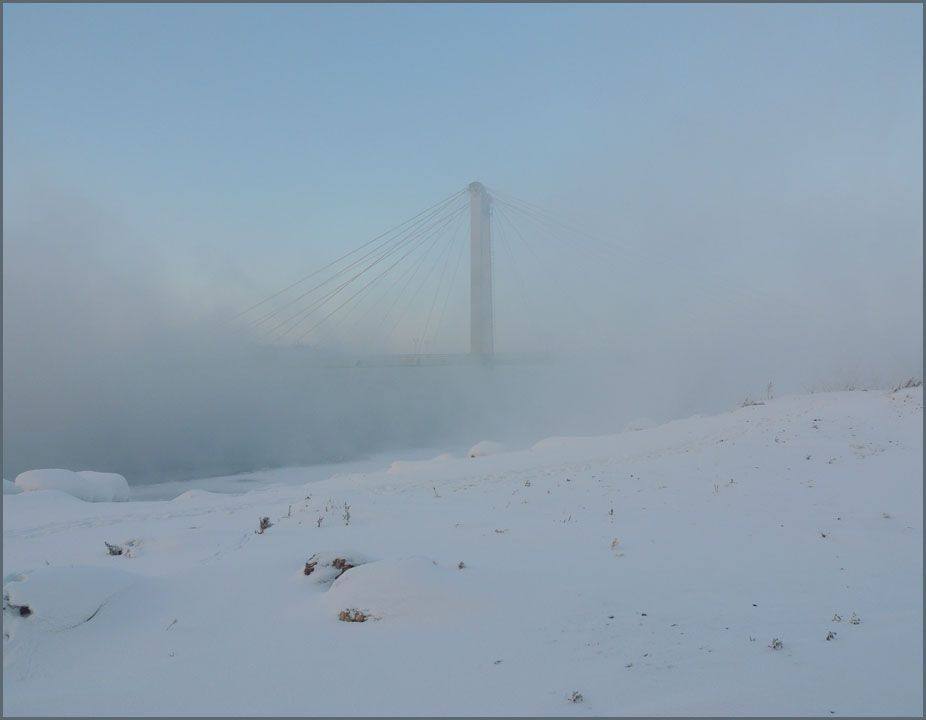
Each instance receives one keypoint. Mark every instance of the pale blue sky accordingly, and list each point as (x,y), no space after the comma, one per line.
(239,145)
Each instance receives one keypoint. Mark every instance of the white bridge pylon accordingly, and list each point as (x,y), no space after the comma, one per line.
(481,316)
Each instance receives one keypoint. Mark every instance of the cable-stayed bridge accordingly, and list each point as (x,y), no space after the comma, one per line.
(394,260)
(383,279)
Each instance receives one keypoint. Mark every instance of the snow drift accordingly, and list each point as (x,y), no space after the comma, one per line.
(60,598)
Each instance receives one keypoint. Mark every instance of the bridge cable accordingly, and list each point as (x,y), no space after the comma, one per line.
(399,298)
(316,325)
(396,240)
(403,276)
(409,277)
(414,294)
(685,310)
(754,293)
(315,304)
(413,238)
(343,317)
(344,256)
(440,282)
(439,325)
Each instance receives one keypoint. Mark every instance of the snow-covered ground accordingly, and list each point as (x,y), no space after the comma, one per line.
(648,572)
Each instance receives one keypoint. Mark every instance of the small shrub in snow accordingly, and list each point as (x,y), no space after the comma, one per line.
(830,635)
(576,697)
(837,617)
(352,615)
(327,567)
(855,620)
(318,522)
(776,644)
(911,383)
(341,565)
(749,402)
(461,565)
(346,514)
(21,610)
(113,549)
(263,525)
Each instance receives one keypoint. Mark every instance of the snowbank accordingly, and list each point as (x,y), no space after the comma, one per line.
(790,516)
(85,485)
(484,448)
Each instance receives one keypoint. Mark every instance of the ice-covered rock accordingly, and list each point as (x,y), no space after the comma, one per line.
(85,485)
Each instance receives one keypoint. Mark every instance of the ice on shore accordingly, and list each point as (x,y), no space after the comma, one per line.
(85,485)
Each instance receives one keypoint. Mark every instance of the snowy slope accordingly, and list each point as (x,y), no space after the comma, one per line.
(731,531)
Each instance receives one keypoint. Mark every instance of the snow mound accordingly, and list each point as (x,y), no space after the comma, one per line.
(60,598)
(401,466)
(85,485)
(10,488)
(195,494)
(484,448)
(564,442)
(414,588)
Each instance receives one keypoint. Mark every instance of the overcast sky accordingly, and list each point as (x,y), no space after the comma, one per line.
(756,171)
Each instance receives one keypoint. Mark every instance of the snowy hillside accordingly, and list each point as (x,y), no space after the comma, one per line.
(694,568)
